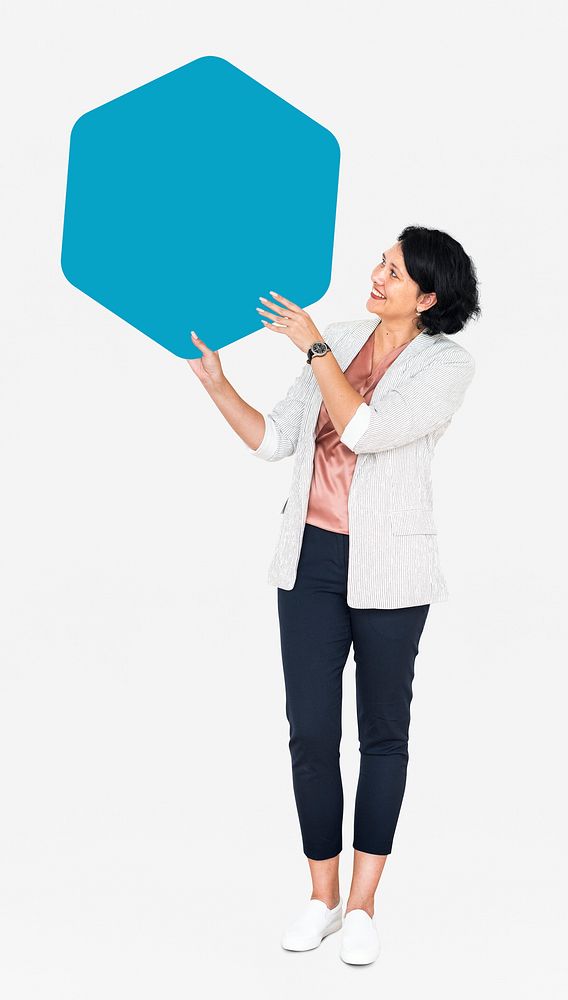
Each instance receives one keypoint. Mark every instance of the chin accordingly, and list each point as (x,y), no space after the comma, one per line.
(373,306)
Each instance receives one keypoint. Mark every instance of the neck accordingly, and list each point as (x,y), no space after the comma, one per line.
(388,338)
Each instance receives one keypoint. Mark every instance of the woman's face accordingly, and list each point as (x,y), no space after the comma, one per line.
(402,296)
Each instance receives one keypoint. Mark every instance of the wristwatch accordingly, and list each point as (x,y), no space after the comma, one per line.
(317,350)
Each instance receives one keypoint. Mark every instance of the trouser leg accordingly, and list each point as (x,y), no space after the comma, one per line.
(385,645)
(315,638)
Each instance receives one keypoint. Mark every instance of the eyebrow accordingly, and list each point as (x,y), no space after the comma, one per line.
(393,265)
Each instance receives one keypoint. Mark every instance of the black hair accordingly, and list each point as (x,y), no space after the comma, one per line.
(438,263)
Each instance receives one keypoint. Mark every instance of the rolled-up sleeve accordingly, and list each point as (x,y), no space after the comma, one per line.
(356,426)
(417,407)
(269,444)
(282,425)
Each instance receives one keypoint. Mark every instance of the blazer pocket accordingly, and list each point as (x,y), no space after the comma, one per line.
(413,522)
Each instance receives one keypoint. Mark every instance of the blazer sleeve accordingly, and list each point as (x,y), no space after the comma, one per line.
(417,407)
(282,424)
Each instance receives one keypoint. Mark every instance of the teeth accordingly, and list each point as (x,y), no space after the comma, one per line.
(381,296)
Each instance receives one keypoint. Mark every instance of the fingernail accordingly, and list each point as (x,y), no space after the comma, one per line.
(193,333)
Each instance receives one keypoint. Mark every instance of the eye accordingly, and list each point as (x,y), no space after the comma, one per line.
(394,274)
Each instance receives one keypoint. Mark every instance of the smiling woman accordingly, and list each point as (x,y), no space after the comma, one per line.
(428,271)
(356,562)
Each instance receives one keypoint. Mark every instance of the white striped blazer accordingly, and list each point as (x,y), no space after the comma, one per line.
(393,548)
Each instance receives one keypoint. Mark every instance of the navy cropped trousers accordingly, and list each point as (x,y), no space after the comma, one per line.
(317,629)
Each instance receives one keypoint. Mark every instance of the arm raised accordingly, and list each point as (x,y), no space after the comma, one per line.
(419,406)
(282,424)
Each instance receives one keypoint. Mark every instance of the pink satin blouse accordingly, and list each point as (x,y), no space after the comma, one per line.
(334,462)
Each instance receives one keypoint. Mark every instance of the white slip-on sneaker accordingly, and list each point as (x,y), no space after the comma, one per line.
(315,922)
(360,943)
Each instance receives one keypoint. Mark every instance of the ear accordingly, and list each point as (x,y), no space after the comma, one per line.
(429,300)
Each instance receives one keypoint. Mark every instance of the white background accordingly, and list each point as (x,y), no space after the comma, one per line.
(149,842)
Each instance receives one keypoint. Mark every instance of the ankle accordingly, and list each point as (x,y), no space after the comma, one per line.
(331,899)
(367,905)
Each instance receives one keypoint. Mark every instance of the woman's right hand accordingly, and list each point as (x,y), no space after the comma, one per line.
(208,367)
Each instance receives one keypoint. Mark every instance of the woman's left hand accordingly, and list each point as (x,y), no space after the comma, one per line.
(292,321)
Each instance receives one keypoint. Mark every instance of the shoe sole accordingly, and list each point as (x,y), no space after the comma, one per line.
(336,926)
(358,961)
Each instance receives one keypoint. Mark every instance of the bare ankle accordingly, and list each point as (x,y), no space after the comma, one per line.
(367,905)
(331,899)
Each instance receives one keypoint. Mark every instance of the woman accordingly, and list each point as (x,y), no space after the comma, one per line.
(357,559)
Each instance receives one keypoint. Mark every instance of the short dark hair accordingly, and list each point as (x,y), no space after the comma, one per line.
(438,263)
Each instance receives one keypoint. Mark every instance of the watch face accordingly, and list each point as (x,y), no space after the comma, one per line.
(319,348)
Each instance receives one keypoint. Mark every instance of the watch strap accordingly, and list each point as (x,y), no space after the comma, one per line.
(312,354)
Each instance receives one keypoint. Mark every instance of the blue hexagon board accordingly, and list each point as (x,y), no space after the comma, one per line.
(192,195)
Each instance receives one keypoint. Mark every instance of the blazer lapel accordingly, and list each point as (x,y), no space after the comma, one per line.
(348,346)
(418,346)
